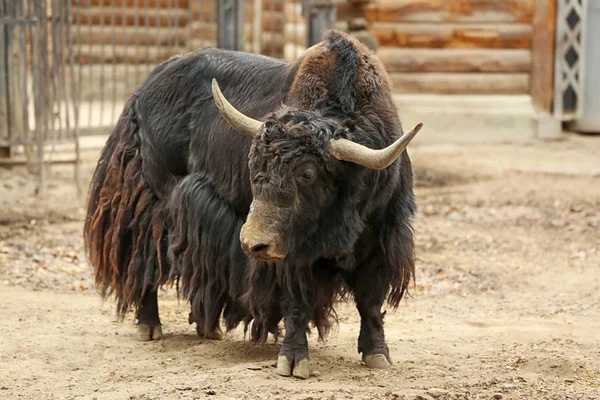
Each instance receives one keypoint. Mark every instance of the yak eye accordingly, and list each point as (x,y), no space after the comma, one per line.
(309,175)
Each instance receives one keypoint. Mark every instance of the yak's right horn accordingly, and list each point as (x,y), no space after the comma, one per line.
(240,122)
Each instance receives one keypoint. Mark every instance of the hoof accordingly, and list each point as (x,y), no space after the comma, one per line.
(149,332)
(216,335)
(286,368)
(376,361)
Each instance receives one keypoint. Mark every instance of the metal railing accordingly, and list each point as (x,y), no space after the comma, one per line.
(118,42)
(38,104)
(68,66)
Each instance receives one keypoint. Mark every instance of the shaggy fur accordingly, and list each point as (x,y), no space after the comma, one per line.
(175,178)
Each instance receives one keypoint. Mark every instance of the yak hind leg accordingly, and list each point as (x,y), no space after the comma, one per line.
(293,355)
(215,334)
(148,321)
(369,294)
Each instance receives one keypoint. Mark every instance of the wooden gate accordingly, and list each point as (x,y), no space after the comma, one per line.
(38,108)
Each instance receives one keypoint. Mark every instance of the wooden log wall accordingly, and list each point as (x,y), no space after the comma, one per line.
(150,31)
(451,46)
(295,30)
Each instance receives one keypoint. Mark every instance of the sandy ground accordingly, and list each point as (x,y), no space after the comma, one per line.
(506,305)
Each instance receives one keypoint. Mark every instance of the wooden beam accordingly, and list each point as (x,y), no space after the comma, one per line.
(204,30)
(98,34)
(272,44)
(295,34)
(293,13)
(257,25)
(270,21)
(466,11)
(125,54)
(460,83)
(129,16)
(268,6)
(454,60)
(542,49)
(443,35)
(133,3)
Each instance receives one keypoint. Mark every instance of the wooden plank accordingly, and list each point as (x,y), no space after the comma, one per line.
(460,83)
(291,51)
(198,43)
(270,21)
(125,54)
(293,13)
(295,34)
(129,16)
(268,5)
(430,35)
(131,35)
(466,11)
(133,3)
(542,48)
(271,44)
(204,30)
(454,60)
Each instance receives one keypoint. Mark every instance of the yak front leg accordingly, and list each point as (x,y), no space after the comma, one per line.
(293,356)
(148,321)
(370,289)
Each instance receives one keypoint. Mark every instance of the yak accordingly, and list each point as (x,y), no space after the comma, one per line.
(265,190)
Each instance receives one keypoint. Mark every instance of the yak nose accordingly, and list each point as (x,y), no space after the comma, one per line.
(261,250)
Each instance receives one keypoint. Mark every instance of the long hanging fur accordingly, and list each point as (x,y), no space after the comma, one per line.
(124,232)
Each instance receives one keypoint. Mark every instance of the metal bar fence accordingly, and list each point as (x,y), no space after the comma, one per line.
(68,66)
(38,108)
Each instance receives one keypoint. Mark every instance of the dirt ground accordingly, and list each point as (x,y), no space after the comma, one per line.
(506,303)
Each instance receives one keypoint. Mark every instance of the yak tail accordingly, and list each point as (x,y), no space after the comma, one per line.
(124,232)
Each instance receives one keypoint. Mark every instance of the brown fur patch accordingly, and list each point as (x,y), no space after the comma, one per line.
(124,231)
(317,70)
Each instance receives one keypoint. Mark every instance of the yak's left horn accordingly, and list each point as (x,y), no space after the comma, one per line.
(347,150)
(240,122)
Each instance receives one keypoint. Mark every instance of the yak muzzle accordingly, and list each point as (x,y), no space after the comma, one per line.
(259,240)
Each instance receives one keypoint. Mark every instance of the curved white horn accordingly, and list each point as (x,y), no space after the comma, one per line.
(347,150)
(240,122)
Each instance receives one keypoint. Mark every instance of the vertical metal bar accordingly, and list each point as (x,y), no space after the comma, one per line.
(156,19)
(75,100)
(272,28)
(320,17)
(56,65)
(202,21)
(176,31)
(47,85)
(230,24)
(102,37)
(79,61)
(64,21)
(12,126)
(169,29)
(137,43)
(124,30)
(147,35)
(24,89)
(113,34)
(257,28)
(189,31)
(91,64)
(39,104)
(4,84)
